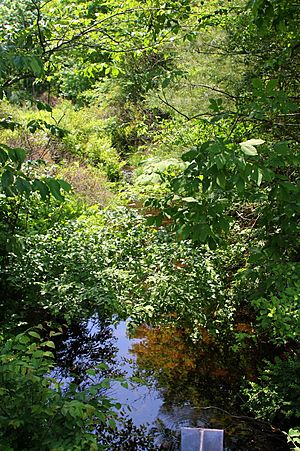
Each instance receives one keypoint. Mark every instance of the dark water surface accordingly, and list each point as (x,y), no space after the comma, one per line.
(174,384)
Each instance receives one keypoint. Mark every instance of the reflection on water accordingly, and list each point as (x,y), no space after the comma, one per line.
(174,383)
(198,384)
(143,402)
(83,346)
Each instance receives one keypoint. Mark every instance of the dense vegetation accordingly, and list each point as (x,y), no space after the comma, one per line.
(149,162)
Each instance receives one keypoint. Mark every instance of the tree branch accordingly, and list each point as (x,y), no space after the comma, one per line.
(38,20)
(10,82)
(199,85)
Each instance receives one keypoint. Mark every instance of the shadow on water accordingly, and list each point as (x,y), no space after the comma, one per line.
(173,384)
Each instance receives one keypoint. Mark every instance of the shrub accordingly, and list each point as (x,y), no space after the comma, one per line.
(276,394)
(65,272)
(36,412)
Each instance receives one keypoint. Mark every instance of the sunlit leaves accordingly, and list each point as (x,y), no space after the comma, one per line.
(249,147)
(39,124)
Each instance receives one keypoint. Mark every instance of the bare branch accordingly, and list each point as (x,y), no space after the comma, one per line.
(199,85)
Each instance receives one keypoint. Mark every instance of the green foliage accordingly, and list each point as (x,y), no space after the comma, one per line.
(233,202)
(279,316)
(20,189)
(293,437)
(151,171)
(81,35)
(221,173)
(276,393)
(140,72)
(65,272)
(37,412)
(72,270)
(271,291)
(18,177)
(88,139)
(162,281)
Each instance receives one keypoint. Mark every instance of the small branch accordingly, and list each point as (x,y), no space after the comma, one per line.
(189,118)
(38,20)
(10,82)
(231,96)
(233,127)
(173,107)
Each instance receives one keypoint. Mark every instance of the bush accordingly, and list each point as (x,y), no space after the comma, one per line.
(36,412)
(276,394)
(89,183)
(65,272)
(278,310)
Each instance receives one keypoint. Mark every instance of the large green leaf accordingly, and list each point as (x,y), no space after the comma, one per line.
(17,155)
(54,187)
(42,188)
(23,186)
(7,178)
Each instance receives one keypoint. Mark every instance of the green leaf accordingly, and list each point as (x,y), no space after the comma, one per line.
(64,185)
(257,175)
(221,180)
(258,84)
(43,106)
(7,178)
(184,231)
(105,383)
(201,232)
(150,220)
(240,185)
(16,155)
(34,125)
(166,82)
(216,104)
(54,187)
(224,223)
(91,372)
(112,423)
(3,156)
(20,154)
(23,186)
(159,220)
(42,188)
(281,148)
(190,155)
(48,344)
(34,334)
(36,65)
(115,72)
(8,123)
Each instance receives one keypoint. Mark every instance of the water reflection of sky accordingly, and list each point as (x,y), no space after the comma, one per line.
(144,402)
(93,342)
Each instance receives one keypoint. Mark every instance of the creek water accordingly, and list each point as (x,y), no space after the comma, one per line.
(171,385)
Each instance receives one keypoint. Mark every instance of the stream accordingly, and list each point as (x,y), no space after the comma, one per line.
(169,387)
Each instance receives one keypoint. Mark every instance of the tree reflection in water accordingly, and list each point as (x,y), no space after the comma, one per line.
(198,384)
(83,346)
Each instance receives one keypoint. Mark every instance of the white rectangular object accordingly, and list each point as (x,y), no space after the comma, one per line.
(201,439)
